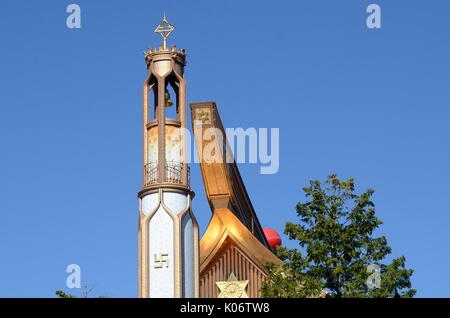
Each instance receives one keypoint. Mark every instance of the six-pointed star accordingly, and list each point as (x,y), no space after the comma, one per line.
(232,288)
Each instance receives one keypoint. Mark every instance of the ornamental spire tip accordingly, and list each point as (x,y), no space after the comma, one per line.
(164,29)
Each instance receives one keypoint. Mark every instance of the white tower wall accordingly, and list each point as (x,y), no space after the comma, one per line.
(170,220)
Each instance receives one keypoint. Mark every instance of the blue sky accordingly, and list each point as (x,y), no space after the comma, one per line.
(368,104)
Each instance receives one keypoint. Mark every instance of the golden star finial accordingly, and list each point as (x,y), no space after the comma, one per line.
(232,288)
(164,29)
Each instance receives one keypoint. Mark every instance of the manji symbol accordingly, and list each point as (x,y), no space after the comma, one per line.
(161,261)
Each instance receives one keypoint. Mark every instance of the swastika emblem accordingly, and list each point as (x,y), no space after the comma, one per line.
(161,261)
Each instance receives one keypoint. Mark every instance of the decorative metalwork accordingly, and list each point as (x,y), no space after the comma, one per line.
(151,173)
(164,29)
(174,173)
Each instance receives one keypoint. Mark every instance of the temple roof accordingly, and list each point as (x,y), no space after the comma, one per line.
(225,227)
(223,182)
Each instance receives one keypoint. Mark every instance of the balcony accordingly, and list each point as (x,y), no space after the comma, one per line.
(173,171)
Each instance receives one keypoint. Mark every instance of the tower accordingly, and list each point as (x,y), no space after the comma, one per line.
(168,231)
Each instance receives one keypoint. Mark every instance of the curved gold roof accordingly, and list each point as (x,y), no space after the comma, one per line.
(224,226)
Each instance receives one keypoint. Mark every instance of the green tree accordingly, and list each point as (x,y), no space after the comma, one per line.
(338,255)
(62,294)
(85,290)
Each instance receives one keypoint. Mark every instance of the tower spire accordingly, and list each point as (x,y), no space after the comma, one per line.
(168,231)
(164,29)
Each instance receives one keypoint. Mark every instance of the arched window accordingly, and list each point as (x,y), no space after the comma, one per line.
(171,98)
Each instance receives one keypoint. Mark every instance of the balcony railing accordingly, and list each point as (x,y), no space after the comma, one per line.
(151,173)
(173,171)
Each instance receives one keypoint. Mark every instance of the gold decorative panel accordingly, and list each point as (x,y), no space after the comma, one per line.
(232,260)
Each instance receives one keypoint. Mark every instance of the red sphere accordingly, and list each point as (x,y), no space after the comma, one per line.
(273,237)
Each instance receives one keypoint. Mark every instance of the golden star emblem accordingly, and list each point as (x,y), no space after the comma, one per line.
(203,116)
(232,288)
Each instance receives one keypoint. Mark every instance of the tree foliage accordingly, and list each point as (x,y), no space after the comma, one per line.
(62,294)
(339,255)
